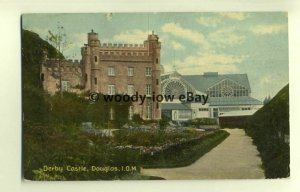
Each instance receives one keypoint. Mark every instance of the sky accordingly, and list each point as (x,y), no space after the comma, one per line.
(192,43)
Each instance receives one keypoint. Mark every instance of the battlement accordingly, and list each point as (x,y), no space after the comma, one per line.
(122,46)
(93,41)
(125,53)
(65,65)
(54,61)
(73,61)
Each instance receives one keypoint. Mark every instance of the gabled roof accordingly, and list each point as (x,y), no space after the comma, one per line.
(203,82)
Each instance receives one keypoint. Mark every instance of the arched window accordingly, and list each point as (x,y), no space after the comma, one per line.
(157,60)
(96,58)
(175,88)
(172,84)
(42,77)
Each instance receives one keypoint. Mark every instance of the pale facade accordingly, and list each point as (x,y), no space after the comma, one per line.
(228,95)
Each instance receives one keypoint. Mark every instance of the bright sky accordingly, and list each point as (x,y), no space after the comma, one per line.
(193,43)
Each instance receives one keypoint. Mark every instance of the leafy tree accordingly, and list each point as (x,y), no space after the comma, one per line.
(58,40)
(163,122)
(267,100)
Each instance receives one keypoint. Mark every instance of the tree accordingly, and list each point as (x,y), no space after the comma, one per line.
(59,41)
(267,100)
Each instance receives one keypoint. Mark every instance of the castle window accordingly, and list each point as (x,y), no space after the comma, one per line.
(65,85)
(148,112)
(130,114)
(95,80)
(156,60)
(111,114)
(111,71)
(130,89)
(157,81)
(148,89)
(111,90)
(130,71)
(42,77)
(85,77)
(148,71)
(96,59)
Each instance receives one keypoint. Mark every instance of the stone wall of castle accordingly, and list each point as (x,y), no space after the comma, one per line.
(71,75)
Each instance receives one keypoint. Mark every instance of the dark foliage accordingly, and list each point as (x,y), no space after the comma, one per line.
(34,105)
(269,128)
(51,125)
(199,122)
(32,55)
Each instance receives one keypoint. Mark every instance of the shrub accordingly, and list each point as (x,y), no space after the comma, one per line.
(203,121)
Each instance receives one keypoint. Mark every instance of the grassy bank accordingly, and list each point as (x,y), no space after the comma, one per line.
(269,128)
(185,154)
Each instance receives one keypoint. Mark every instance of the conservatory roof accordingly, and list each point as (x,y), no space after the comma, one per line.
(229,101)
(203,82)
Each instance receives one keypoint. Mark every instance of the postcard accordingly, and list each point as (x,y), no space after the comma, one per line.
(155,96)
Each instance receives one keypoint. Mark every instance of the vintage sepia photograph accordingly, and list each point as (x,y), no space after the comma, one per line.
(155,96)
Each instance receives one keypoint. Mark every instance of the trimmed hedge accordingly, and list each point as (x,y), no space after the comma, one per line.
(184,154)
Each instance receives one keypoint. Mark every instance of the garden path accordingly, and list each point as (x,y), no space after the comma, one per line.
(235,158)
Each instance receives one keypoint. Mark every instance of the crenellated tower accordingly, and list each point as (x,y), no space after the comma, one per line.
(154,47)
(90,61)
(124,69)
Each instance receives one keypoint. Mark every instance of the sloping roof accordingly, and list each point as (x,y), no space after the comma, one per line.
(174,106)
(237,113)
(202,82)
(228,101)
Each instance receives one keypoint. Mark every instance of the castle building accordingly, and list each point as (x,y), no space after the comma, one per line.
(111,69)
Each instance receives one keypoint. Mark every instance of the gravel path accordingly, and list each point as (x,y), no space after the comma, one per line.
(235,158)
